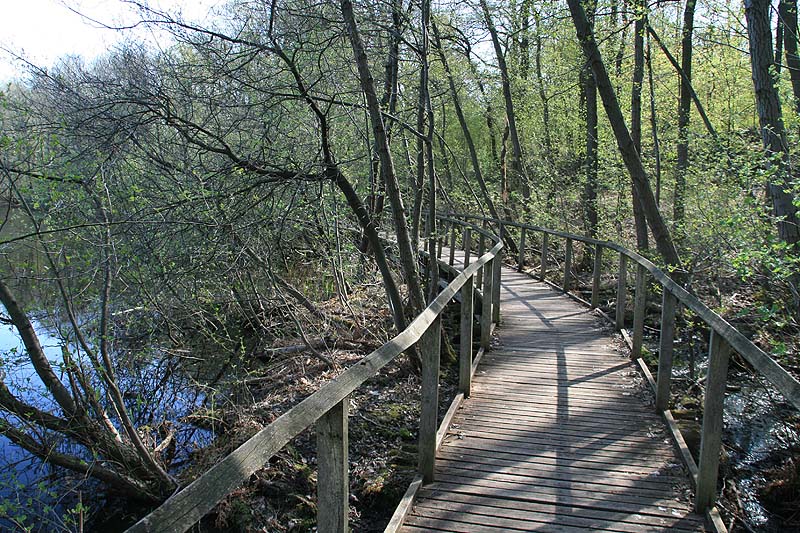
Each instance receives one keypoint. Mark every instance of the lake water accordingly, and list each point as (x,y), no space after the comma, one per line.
(150,399)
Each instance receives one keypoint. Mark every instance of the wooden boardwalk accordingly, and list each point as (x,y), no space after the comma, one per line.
(555,436)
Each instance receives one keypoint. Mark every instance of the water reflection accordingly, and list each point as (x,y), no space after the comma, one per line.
(156,391)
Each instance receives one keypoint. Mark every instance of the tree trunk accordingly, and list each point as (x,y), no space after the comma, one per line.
(389,101)
(773,134)
(519,181)
(654,124)
(640,222)
(779,28)
(548,141)
(589,97)
(333,173)
(684,109)
(465,131)
(787,13)
(630,156)
(407,255)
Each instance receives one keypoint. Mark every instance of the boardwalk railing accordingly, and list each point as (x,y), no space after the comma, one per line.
(328,407)
(724,337)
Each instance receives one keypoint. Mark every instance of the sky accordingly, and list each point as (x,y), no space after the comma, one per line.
(44,30)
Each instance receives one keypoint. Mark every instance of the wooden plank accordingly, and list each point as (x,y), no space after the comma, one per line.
(711,436)
(665,351)
(430,349)
(588,472)
(568,266)
(543,265)
(404,507)
(618,438)
(553,460)
(497,273)
(560,479)
(649,428)
(540,405)
(612,502)
(596,273)
(333,494)
(640,301)
(477,522)
(493,442)
(624,521)
(447,420)
(620,307)
(486,311)
(465,352)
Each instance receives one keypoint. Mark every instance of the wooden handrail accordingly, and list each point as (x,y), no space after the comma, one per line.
(760,360)
(724,338)
(186,507)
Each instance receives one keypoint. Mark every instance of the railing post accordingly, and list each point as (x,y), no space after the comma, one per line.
(711,438)
(665,349)
(481,250)
(598,266)
(521,262)
(568,265)
(429,411)
(440,243)
(496,272)
(620,310)
(544,256)
(452,244)
(639,306)
(486,309)
(465,356)
(333,497)
(467,245)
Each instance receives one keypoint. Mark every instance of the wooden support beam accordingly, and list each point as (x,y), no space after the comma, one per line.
(465,356)
(496,273)
(452,244)
(567,266)
(598,267)
(639,309)
(481,250)
(711,437)
(665,350)
(543,272)
(467,245)
(620,310)
(429,411)
(486,311)
(333,496)
(521,261)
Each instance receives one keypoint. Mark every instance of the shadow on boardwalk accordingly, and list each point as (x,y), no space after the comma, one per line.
(555,436)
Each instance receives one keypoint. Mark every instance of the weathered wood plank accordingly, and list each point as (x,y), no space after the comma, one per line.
(665,351)
(711,437)
(333,487)
(640,301)
(623,521)
(430,348)
(621,278)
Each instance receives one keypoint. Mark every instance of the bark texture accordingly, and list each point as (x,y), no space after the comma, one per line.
(630,156)
(773,134)
(408,258)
